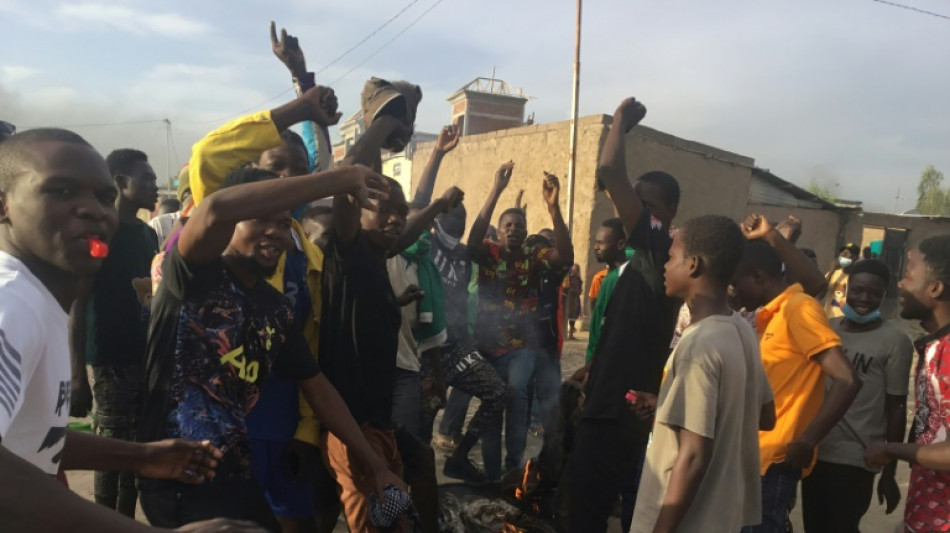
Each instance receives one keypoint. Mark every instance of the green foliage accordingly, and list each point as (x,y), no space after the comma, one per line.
(932,199)
(821,191)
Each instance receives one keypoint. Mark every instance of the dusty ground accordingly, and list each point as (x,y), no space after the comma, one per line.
(875,521)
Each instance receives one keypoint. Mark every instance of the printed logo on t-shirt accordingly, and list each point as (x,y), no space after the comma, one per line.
(10,366)
(248,371)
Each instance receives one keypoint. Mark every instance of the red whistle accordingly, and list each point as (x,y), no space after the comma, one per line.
(97,248)
(631,397)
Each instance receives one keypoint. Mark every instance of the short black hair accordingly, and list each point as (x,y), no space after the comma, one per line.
(121,161)
(936,252)
(718,240)
(873,267)
(615,225)
(172,204)
(758,255)
(513,211)
(13,150)
(291,137)
(245,175)
(666,183)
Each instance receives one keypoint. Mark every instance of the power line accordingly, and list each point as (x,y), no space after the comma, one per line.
(910,8)
(368,37)
(387,43)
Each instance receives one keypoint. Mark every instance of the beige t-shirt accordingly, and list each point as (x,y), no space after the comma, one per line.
(714,386)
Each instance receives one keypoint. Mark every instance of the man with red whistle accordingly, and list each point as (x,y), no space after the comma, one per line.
(56,211)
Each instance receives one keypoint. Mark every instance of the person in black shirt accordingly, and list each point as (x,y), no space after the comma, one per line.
(217,329)
(634,341)
(113,324)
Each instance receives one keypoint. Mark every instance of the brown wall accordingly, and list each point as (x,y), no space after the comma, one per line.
(918,228)
(711,180)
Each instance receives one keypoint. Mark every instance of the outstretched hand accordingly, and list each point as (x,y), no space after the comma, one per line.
(755,227)
(551,189)
(366,186)
(323,105)
(288,51)
(790,228)
(448,139)
(503,175)
(183,460)
(629,114)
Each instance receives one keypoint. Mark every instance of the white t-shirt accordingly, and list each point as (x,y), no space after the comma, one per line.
(35,372)
(715,387)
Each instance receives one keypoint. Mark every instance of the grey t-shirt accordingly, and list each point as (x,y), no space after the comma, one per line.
(714,386)
(882,359)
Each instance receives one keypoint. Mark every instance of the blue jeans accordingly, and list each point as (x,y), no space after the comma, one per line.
(516,369)
(547,385)
(779,485)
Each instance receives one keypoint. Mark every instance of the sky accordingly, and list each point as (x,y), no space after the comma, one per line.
(851,93)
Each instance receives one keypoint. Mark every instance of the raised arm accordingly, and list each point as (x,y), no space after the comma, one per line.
(209,230)
(476,236)
(420,221)
(447,141)
(695,453)
(799,267)
(316,137)
(242,140)
(565,248)
(612,168)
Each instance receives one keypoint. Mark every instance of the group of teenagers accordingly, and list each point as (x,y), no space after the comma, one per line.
(274,354)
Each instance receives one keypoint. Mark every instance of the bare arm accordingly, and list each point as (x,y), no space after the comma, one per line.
(366,151)
(800,268)
(447,141)
(695,452)
(332,411)
(564,247)
(844,387)
(420,221)
(612,168)
(212,223)
(27,494)
(476,236)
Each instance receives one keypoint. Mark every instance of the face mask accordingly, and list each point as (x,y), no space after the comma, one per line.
(853,315)
(845,261)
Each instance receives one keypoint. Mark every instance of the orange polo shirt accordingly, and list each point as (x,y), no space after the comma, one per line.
(792,328)
(595,284)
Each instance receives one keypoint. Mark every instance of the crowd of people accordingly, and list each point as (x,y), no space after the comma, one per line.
(271,351)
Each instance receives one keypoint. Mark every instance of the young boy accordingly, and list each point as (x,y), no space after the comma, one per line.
(701,471)
(218,329)
(57,195)
(925,296)
(838,492)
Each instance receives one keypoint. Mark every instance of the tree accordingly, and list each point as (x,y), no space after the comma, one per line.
(821,191)
(932,199)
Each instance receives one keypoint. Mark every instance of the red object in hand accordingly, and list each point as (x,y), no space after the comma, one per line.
(98,248)
(631,397)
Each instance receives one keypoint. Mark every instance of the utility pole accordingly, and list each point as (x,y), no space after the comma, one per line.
(168,153)
(897,200)
(572,165)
